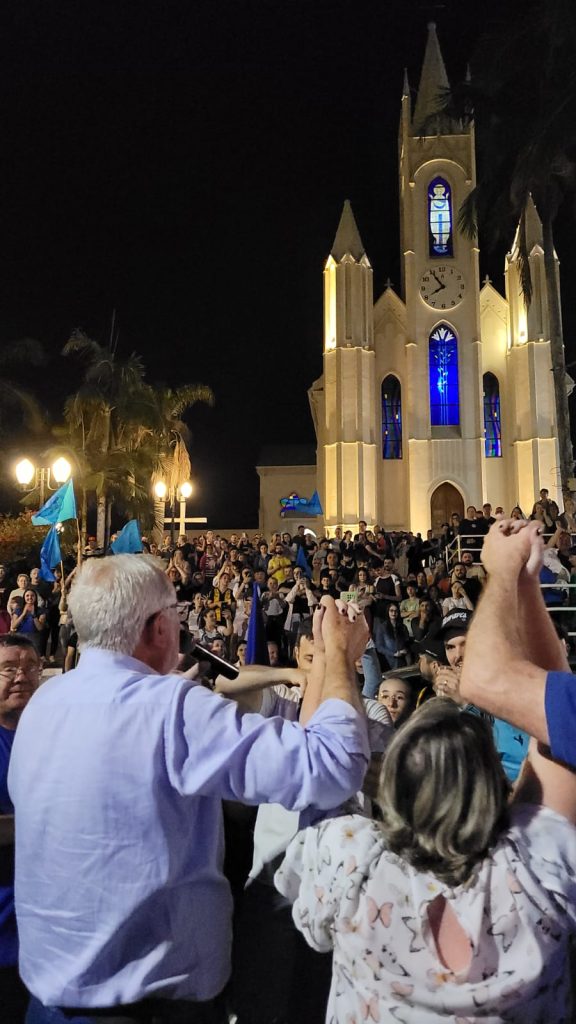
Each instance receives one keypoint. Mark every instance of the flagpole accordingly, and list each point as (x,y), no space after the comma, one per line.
(79,552)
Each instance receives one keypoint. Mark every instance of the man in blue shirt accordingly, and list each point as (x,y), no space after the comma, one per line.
(515,666)
(19,677)
(117,776)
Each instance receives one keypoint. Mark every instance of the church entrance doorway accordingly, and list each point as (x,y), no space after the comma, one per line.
(445,500)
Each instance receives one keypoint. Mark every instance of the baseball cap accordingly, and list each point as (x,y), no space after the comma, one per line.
(431,646)
(454,624)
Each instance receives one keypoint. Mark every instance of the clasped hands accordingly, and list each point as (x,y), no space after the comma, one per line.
(513,546)
(339,627)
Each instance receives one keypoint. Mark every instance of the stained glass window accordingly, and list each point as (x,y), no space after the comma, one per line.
(443,377)
(492,428)
(440,218)
(391,418)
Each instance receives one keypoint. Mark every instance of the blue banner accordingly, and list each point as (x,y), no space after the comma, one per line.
(256,646)
(60,506)
(128,541)
(50,555)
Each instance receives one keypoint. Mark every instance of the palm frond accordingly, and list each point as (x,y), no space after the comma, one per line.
(79,343)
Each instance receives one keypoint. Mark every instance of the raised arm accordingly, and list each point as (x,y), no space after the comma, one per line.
(548,782)
(512,644)
(257,760)
(345,635)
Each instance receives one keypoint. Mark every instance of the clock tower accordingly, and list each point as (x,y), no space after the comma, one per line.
(439,396)
(443,424)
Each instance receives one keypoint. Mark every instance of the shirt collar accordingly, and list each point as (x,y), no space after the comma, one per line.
(96,655)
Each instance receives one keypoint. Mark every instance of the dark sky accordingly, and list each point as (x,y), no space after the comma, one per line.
(185,162)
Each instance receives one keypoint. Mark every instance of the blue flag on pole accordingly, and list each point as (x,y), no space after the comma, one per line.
(50,555)
(302,562)
(256,646)
(60,506)
(128,541)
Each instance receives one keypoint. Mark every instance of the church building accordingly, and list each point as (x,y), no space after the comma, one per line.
(438,397)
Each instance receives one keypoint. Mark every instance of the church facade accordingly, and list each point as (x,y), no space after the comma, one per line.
(440,396)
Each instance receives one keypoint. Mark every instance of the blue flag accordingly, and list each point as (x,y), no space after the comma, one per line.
(302,562)
(314,506)
(128,541)
(50,555)
(60,506)
(256,646)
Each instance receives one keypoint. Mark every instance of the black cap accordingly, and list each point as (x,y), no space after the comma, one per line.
(456,623)
(431,646)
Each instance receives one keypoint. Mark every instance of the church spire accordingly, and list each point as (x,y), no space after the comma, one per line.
(532,229)
(432,90)
(347,240)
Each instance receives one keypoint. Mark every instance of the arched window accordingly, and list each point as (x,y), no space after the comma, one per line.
(443,377)
(440,228)
(391,418)
(492,427)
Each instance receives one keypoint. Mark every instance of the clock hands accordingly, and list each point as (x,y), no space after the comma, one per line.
(441,286)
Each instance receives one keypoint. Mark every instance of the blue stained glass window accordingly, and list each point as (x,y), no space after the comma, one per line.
(391,418)
(443,375)
(440,218)
(492,427)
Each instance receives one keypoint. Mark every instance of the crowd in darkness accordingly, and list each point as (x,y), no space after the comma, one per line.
(420,891)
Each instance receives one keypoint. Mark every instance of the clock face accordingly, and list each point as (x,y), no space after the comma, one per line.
(442,286)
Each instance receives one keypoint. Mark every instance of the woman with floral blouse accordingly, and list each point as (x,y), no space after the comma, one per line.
(458,905)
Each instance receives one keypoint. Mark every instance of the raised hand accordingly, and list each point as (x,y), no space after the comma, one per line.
(344,628)
(511,546)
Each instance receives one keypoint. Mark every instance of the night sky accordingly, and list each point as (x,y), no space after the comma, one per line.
(185,163)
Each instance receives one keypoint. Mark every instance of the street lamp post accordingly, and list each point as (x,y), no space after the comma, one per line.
(30,476)
(173,496)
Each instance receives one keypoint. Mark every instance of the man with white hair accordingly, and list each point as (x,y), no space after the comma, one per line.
(117,776)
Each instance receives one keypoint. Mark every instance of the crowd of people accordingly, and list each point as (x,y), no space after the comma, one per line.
(366,813)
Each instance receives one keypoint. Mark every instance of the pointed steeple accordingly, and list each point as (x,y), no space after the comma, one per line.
(405,84)
(347,240)
(432,90)
(533,229)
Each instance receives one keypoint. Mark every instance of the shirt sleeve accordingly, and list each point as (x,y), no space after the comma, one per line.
(323,872)
(547,844)
(560,708)
(213,749)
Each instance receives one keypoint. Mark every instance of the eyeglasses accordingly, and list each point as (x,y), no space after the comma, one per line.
(164,608)
(11,671)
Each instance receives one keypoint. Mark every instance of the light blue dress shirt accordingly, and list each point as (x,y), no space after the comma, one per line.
(117,775)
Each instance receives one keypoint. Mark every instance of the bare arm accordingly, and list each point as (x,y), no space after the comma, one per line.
(345,634)
(547,782)
(255,678)
(315,682)
(512,644)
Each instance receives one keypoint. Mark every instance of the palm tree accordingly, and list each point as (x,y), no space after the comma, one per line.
(126,432)
(522,99)
(110,396)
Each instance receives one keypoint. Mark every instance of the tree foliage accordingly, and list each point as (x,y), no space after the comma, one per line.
(521,97)
(122,433)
